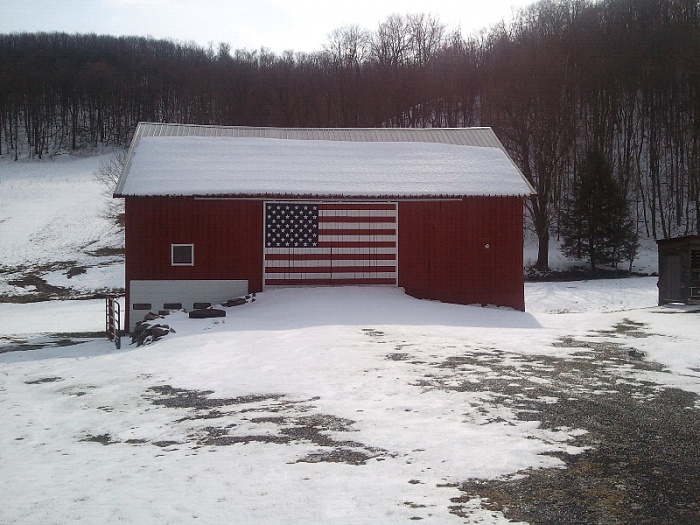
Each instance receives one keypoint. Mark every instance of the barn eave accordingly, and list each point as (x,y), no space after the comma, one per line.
(321,196)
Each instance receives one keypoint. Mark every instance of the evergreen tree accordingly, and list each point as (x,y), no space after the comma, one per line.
(598,224)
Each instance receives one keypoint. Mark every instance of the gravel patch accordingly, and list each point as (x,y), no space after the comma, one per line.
(642,459)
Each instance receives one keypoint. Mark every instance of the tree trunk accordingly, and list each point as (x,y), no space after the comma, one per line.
(542,264)
(541,223)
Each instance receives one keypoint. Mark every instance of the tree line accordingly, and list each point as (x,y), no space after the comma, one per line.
(562,79)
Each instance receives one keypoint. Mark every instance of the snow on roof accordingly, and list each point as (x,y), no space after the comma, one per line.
(186,165)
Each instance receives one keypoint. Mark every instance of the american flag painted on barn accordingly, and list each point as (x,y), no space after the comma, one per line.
(330,243)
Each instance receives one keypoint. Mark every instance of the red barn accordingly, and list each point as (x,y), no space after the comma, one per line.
(216,212)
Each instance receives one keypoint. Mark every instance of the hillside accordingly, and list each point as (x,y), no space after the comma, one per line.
(53,229)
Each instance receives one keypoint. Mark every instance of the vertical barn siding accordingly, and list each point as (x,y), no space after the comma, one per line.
(227,237)
(442,252)
(441,245)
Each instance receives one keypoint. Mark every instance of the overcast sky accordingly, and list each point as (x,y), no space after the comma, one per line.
(300,25)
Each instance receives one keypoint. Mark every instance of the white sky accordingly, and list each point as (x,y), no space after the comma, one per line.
(300,25)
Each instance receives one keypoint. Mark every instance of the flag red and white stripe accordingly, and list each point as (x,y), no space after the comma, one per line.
(330,243)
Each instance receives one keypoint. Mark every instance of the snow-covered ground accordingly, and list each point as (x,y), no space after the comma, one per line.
(317,405)
(52,219)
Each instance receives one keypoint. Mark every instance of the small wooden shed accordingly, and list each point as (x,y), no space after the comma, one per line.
(679,270)
(213,212)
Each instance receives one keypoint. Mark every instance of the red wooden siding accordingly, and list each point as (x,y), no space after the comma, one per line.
(442,245)
(227,237)
(443,253)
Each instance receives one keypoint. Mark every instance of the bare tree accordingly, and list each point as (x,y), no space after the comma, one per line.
(393,42)
(348,49)
(348,46)
(427,38)
(108,175)
(527,97)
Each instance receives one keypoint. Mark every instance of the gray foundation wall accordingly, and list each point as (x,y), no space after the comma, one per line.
(159,293)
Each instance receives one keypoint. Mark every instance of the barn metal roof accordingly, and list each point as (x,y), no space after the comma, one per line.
(183,159)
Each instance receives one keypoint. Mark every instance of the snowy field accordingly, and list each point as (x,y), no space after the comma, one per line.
(52,220)
(322,405)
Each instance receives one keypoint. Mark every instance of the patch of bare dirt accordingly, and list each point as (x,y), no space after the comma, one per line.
(642,460)
(281,422)
(642,467)
(55,340)
(579,273)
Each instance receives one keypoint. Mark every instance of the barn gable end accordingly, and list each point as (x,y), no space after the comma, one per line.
(442,219)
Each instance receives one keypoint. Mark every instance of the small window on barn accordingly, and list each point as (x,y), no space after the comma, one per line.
(182,254)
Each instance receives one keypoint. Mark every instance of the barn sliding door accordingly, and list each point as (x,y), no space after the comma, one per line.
(322,243)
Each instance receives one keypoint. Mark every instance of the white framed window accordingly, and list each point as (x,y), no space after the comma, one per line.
(182,254)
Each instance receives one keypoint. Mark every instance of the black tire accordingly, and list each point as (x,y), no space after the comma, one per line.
(206,314)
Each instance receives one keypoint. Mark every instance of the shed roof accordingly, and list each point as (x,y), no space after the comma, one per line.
(684,239)
(191,160)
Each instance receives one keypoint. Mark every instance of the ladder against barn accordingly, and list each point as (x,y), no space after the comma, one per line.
(113,320)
